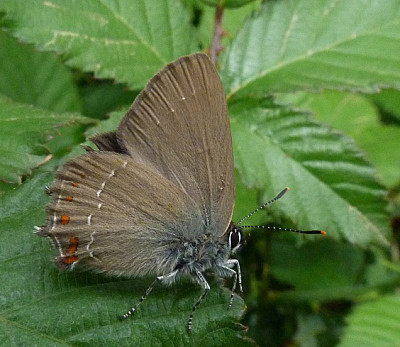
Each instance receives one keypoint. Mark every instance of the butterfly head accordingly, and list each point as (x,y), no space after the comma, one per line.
(235,238)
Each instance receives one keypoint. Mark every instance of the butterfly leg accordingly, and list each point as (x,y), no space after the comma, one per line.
(147,292)
(203,282)
(237,277)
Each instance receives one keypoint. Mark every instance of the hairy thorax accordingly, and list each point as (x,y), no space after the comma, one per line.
(200,254)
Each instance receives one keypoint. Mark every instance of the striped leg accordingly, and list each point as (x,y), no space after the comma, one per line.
(147,292)
(203,282)
(237,277)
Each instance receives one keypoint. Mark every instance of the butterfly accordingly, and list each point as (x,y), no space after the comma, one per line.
(157,196)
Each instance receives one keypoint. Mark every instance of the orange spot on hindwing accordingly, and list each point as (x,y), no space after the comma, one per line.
(70,198)
(73,245)
(75,184)
(65,219)
(65,263)
(70,260)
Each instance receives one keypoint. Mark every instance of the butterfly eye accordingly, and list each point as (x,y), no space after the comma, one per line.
(235,239)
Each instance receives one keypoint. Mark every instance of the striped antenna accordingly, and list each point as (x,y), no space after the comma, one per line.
(265,205)
(311,232)
(282,192)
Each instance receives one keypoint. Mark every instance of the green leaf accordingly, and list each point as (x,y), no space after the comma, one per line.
(227,3)
(389,102)
(109,124)
(24,131)
(319,263)
(127,40)
(246,202)
(356,116)
(42,306)
(312,271)
(100,99)
(35,78)
(332,186)
(374,323)
(314,44)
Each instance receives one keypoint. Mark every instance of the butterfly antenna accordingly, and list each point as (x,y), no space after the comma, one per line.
(312,232)
(264,205)
(281,193)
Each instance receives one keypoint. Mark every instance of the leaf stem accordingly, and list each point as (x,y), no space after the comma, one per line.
(216,47)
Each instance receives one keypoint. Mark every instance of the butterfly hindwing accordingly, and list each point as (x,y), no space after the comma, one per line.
(108,209)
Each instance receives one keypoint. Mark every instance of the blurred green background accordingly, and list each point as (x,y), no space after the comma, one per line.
(313,95)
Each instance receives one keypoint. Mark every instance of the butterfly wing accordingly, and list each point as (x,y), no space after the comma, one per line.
(179,125)
(118,216)
(107,142)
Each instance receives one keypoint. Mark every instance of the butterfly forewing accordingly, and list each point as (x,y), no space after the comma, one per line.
(104,207)
(179,126)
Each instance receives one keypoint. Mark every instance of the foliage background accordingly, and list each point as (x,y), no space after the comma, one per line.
(312,88)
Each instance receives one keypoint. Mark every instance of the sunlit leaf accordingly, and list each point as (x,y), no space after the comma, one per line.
(126,40)
(374,323)
(28,76)
(314,44)
(24,131)
(332,186)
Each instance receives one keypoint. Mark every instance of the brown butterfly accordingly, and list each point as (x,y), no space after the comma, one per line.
(157,196)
